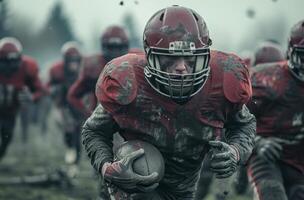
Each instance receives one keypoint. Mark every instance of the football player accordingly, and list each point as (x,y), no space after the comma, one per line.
(62,75)
(178,96)
(18,74)
(114,43)
(276,168)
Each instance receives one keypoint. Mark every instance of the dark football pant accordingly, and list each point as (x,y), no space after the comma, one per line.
(275,181)
(241,182)
(7,125)
(24,122)
(204,181)
(72,140)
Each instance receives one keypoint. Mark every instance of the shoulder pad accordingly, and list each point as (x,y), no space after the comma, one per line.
(117,83)
(56,70)
(235,75)
(271,76)
(31,65)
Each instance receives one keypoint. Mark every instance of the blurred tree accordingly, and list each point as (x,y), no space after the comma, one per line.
(132,29)
(3,19)
(56,31)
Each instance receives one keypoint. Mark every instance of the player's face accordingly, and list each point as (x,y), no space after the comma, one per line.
(73,64)
(177,65)
(9,65)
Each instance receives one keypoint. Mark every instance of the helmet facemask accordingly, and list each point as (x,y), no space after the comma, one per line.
(296,61)
(10,64)
(179,87)
(113,50)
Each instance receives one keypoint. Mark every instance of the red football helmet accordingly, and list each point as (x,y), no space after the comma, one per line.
(71,56)
(70,51)
(295,51)
(114,42)
(177,32)
(10,55)
(268,52)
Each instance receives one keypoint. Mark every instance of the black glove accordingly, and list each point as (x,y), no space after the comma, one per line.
(120,173)
(224,159)
(269,148)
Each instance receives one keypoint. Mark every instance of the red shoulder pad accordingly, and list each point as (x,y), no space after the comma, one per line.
(117,83)
(31,66)
(56,71)
(273,77)
(235,74)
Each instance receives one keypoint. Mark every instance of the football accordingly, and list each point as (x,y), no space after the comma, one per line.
(151,161)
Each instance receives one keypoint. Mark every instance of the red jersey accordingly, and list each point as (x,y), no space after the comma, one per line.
(278,105)
(180,132)
(26,75)
(62,80)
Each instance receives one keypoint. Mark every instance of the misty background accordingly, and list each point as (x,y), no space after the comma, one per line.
(235,25)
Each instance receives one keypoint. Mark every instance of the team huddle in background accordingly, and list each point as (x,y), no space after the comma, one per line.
(208,113)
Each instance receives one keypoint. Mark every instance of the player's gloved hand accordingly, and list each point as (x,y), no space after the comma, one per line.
(120,173)
(269,148)
(224,159)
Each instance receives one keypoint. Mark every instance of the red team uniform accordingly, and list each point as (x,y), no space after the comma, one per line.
(114,43)
(62,75)
(85,84)
(16,72)
(180,124)
(276,169)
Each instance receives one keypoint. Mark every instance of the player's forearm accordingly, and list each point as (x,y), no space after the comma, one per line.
(97,136)
(241,134)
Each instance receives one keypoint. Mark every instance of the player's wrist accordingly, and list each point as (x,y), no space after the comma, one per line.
(104,168)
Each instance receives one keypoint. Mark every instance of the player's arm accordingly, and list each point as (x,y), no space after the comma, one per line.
(75,94)
(33,81)
(240,132)
(240,124)
(97,136)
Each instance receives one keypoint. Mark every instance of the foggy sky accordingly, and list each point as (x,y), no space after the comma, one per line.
(227,20)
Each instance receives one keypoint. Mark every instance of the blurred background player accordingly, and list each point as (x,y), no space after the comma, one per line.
(114,43)
(276,168)
(268,52)
(62,75)
(17,72)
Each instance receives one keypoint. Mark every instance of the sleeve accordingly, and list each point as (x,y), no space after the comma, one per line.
(97,136)
(116,86)
(33,81)
(52,79)
(75,94)
(240,132)
(262,94)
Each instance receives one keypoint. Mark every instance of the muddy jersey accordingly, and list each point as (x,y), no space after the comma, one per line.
(278,105)
(181,132)
(10,86)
